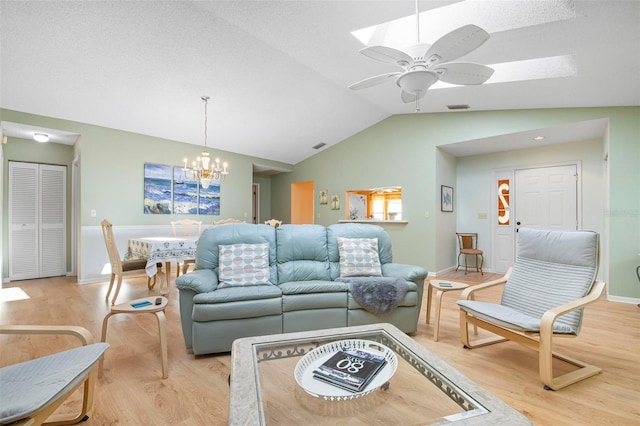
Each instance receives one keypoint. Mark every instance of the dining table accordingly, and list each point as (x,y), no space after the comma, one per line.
(162,250)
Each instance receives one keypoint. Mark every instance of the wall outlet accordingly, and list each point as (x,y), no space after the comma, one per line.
(246,214)
(426,215)
(93,212)
(482,215)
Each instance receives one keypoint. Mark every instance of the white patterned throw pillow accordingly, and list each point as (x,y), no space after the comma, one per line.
(359,257)
(243,265)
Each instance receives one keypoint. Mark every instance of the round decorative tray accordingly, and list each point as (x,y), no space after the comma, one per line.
(304,369)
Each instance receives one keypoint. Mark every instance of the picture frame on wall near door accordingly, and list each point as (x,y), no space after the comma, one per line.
(446,198)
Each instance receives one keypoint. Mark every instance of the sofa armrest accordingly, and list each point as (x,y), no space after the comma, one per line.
(406,272)
(199,281)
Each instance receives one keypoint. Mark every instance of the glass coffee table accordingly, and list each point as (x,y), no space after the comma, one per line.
(423,390)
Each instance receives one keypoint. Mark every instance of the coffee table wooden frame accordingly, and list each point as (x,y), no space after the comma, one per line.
(245,400)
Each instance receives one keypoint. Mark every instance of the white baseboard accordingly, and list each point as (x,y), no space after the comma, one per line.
(623,299)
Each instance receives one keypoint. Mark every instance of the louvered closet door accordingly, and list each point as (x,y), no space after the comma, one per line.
(23,219)
(53,220)
(37,217)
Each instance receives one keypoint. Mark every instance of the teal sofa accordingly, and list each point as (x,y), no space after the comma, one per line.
(302,293)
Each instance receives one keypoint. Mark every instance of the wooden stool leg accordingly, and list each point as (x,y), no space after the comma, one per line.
(163,342)
(438,305)
(103,338)
(429,297)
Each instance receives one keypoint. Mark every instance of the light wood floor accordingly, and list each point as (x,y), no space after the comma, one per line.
(196,392)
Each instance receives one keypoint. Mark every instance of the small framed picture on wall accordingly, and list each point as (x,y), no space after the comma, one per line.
(335,202)
(324,196)
(446,198)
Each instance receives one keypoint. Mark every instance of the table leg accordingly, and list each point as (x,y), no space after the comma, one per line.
(429,297)
(439,294)
(164,287)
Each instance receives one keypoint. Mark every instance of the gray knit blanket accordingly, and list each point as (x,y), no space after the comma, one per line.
(378,295)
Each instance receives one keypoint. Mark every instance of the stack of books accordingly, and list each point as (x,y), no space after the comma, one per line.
(350,369)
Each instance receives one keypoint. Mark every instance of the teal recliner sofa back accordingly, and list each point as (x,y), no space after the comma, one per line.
(304,263)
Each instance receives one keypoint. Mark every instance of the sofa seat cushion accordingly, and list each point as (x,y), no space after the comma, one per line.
(302,295)
(305,287)
(237,303)
(235,294)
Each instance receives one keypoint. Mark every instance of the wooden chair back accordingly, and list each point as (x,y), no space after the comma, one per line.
(273,222)
(112,248)
(186,228)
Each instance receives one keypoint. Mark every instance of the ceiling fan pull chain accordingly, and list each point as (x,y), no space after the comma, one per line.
(417,104)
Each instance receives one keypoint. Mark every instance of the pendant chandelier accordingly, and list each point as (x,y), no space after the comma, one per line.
(202,169)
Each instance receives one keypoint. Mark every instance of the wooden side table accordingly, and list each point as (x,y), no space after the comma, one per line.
(152,308)
(441,288)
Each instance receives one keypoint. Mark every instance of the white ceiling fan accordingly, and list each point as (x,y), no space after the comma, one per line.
(423,64)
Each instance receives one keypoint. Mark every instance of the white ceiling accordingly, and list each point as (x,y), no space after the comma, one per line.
(277,72)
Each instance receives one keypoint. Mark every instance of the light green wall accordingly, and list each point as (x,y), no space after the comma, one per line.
(401,150)
(29,151)
(474,185)
(112,172)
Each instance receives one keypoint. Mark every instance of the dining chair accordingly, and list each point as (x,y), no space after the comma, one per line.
(185,228)
(31,391)
(120,266)
(273,222)
(468,246)
(226,221)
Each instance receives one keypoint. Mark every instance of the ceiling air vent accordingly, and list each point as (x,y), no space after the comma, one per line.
(461,106)
(318,146)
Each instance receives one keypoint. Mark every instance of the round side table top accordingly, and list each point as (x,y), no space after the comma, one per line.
(441,285)
(148,307)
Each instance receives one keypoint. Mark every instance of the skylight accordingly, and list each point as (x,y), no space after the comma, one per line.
(493,16)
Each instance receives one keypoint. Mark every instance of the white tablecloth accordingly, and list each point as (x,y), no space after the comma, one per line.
(161,249)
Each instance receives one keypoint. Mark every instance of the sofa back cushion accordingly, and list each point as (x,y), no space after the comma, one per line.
(302,253)
(356,230)
(208,252)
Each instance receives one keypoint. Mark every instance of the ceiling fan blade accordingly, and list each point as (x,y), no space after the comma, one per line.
(455,44)
(463,73)
(373,81)
(388,55)
(410,97)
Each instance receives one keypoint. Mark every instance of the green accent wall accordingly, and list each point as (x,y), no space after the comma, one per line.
(403,150)
(400,150)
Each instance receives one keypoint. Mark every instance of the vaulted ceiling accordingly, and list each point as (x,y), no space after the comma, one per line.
(278,72)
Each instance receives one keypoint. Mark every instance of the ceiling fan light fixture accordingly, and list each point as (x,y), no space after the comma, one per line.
(416,82)
(41,137)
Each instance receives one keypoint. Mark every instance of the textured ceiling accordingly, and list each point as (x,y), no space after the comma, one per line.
(278,72)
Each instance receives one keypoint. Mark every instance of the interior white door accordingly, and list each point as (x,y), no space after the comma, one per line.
(37,217)
(547,197)
(52,225)
(23,221)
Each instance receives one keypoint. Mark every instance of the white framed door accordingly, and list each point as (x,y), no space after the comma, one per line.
(539,197)
(37,220)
